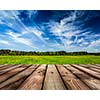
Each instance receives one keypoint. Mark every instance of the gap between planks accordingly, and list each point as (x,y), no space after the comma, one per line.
(50,77)
(90,81)
(53,80)
(70,80)
(20,76)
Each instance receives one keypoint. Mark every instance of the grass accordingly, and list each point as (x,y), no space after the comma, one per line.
(50,59)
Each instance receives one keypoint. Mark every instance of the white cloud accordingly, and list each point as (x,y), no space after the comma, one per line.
(47,38)
(64,28)
(16,38)
(25,30)
(8,19)
(14,22)
(35,31)
(80,40)
(4,42)
(68,42)
(31,12)
(95,43)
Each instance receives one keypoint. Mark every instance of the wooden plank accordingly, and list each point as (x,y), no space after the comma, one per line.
(53,80)
(11,73)
(90,67)
(97,65)
(15,81)
(6,66)
(88,71)
(70,80)
(89,80)
(35,81)
(3,65)
(8,69)
(14,85)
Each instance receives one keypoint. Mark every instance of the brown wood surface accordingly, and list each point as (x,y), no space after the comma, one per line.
(94,68)
(91,82)
(53,80)
(50,77)
(71,81)
(2,65)
(11,73)
(35,80)
(88,71)
(97,65)
(8,69)
(90,66)
(6,66)
(20,75)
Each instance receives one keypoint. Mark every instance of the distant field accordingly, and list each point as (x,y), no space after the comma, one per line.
(49,59)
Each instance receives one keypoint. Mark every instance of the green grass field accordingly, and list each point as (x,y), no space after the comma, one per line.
(49,59)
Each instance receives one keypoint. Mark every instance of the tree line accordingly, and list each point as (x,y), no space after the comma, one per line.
(15,52)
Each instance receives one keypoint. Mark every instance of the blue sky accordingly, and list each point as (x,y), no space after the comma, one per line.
(50,30)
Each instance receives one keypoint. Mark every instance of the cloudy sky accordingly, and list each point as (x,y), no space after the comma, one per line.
(51,30)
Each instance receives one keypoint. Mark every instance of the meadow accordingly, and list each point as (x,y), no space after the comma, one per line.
(87,59)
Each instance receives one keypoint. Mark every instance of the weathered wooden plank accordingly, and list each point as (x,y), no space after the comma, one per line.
(70,80)
(16,80)
(14,85)
(3,65)
(77,72)
(32,77)
(53,80)
(13,72)
(97,65)
(6,66)
(88,71)
(87,79)
(10,68)
(35,81)
(90,67)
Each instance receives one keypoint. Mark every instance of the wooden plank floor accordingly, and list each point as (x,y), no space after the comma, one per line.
(50,77)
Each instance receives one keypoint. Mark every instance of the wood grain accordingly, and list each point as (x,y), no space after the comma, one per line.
(50,77)
(8,69)
(88,71)
(11,73)
(53,80)
(3,65)
(6,66)
(71,81)
(94,68)
(90,81)
(35,81)
(15,82)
